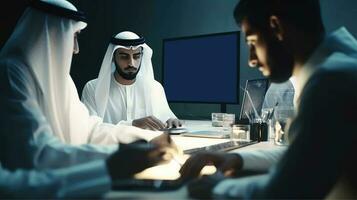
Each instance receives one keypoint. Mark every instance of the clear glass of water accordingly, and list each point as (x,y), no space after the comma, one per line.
(240,132)
(282,117)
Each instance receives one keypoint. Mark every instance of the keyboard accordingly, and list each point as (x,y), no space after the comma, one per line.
(224,146)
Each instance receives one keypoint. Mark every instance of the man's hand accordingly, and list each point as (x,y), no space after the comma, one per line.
(133,158)
(165,141)
(228,163)
(173,123)
(202,188)
(151,123)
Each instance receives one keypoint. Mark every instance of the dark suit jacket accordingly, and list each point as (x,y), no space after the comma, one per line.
(324,138)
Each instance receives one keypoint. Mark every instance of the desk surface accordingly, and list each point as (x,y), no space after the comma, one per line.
(171,170)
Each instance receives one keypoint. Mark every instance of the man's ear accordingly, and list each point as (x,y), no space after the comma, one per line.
(277,27)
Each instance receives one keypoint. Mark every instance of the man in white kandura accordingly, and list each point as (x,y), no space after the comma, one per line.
(125,91)
(39,101)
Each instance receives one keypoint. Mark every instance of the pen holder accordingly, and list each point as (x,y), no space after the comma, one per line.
(259,131)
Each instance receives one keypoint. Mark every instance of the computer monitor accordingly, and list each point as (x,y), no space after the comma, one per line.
(256,89)
(202,69)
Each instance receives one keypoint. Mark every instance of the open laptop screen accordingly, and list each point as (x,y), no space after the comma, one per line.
(254,93)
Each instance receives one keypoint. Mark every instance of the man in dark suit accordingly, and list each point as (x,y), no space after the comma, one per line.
(288,38)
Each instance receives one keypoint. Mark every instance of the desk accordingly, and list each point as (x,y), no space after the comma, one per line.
(194,142)
(170,170)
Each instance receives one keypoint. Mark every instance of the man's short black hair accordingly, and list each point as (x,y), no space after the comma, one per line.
(305,15)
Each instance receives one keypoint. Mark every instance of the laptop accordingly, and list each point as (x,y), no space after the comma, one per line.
(254,94)
(221,147)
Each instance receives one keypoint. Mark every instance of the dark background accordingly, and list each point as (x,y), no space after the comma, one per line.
(160,19)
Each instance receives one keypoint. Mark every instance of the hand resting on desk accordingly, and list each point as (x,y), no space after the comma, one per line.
(133,158)
(227,163)
(153,123)
(165,141)
(150,123)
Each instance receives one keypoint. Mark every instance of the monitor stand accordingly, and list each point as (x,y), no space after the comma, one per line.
(223,108)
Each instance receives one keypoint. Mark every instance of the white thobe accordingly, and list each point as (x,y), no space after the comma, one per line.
(127,103)
(26,131)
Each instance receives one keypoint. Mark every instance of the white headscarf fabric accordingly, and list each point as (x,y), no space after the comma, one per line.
(144,80)
(46,47)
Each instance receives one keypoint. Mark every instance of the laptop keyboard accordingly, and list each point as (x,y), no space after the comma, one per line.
(224,146)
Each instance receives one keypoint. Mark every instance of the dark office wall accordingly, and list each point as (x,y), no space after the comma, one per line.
(10,12)
(159,19)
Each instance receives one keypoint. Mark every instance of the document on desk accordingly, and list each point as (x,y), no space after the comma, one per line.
(207,134)
(204,129)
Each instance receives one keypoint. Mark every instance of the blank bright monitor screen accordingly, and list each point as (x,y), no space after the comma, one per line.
(202,69)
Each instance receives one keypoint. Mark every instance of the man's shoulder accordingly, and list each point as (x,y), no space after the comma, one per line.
(339,72)
(336,77)
(339,63)
(337,69)
(157,83)
(15,68)
(16,75)
(150,83)
(12,64)
(91,84)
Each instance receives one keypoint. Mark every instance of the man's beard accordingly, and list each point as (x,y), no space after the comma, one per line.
(280,61)
(127,75)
